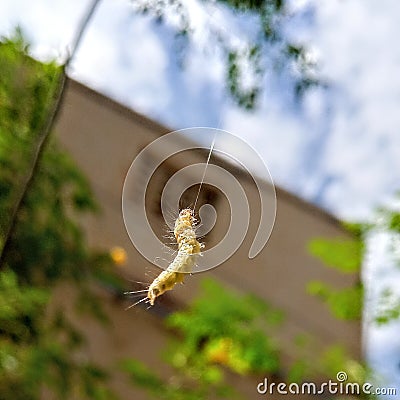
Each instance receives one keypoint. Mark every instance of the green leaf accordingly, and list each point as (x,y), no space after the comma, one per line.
(342,254)
(345,304)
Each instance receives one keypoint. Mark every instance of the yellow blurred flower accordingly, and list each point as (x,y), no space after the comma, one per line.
(226,352)
(218,350)
(118,255)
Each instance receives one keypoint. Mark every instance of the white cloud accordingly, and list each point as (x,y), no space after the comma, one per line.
(278,139)
(122,56)
(49,25)
(355,39)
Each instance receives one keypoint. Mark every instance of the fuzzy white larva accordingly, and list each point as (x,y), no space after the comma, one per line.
(188,250)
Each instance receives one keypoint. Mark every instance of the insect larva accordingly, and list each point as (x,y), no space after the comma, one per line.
(188,250)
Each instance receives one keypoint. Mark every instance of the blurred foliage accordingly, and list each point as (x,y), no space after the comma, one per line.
(336,359)
(223,331)
(345,255)
(311,364)
(32,356)
(40,349)
(394,221)
(388,221)
(220,330)
(344,304)
(176,388)
(229,329)
(388,307)
(245,97)
(24,98)
(270,50)
(330,361)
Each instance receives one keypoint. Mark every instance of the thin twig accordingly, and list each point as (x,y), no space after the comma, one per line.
(56,101)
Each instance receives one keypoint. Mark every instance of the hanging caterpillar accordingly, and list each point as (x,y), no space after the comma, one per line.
(188,250)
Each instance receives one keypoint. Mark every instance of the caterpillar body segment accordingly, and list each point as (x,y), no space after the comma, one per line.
(188,250)
(165,281)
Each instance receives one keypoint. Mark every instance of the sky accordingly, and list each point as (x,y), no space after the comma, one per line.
(340,149)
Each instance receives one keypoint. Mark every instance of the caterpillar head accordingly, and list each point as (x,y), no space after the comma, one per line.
(152,294)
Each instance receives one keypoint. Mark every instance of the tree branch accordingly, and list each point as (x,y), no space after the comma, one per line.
(54,108)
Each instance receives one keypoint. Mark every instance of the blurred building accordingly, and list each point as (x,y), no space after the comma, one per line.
(104,137)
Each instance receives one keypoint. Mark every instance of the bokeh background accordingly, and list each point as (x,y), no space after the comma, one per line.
(318,99)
